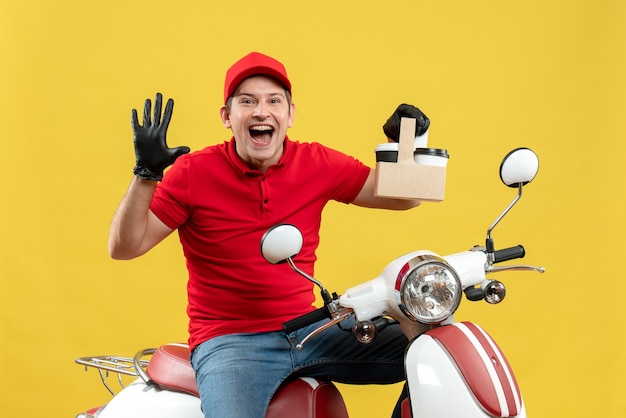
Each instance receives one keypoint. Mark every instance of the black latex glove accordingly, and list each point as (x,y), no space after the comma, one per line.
(153,155)
(391,128)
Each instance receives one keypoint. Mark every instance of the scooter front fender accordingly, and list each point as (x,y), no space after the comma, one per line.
(138,400)
(458,370)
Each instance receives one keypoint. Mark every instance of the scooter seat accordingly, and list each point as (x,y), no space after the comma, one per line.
(303,397)
(170,369)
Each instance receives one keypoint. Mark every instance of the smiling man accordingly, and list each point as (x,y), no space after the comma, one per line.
(222,199)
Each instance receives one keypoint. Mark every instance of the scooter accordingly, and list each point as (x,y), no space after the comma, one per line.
(453,369)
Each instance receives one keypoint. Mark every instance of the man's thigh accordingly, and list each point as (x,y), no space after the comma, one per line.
(238,374)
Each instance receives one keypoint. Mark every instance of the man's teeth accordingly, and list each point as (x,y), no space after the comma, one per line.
(261,128)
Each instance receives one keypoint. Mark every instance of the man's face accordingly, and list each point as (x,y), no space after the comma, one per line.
(259,117)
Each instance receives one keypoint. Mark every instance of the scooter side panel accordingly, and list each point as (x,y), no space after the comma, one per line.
(453,374)
(140,401)
(436,389)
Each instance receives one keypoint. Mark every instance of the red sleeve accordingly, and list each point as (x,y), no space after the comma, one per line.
(348,173)
(170,202)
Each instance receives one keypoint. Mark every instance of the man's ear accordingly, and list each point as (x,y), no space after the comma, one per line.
(292,114)
(225,117)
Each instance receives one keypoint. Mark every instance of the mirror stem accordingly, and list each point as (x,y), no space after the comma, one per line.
(508,208)
(307,276)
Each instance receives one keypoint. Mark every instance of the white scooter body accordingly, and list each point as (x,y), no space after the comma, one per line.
(140,400)
(457,370)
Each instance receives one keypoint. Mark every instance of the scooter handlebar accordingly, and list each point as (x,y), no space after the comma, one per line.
(510,253)
(306,319)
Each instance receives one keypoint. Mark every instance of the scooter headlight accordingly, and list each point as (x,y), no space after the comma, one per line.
(428,289)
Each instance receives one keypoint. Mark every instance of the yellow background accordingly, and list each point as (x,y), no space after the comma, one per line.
(491,75)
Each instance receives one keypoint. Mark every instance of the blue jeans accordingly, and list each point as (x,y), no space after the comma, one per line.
(238,374)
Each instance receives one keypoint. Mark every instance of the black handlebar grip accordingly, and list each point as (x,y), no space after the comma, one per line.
(510,253)
(306,319)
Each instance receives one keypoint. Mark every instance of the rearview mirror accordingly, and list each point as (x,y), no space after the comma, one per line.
(280,243)
(519,167)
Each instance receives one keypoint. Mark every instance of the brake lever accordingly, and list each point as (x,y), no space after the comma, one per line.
(341,315)
(495,269)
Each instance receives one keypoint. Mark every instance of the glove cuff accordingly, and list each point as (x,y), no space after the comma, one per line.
(146,173)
